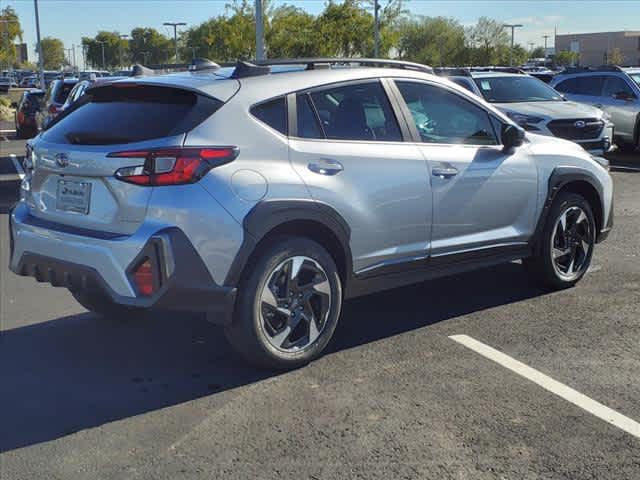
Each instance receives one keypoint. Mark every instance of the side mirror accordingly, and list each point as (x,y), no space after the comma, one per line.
(512,136)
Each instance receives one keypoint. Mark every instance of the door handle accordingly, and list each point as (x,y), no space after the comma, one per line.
(326,166)
(444,172)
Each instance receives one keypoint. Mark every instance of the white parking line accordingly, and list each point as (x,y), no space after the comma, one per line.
(18,166)
(569,394)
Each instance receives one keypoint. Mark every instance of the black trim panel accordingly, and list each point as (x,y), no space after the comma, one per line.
(186,285)
(267,215)
(398,275)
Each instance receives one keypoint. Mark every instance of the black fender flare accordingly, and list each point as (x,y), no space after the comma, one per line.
(267,215)
(559,178)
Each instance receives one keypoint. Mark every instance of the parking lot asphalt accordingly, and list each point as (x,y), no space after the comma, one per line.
(395,397)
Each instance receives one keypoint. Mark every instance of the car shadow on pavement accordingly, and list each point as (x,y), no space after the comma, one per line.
(80,371)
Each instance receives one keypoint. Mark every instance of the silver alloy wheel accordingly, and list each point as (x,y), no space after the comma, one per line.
(571,243)
(295,304)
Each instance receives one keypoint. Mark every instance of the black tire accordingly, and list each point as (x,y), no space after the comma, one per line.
(247,333)
(627,147)
(542,263)
(102,306)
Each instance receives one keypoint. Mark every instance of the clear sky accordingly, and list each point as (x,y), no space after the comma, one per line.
(70,20)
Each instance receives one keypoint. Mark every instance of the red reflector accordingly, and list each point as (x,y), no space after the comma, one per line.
(143,277)
(216,153)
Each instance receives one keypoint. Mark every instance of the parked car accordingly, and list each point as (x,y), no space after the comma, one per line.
(538,108)
(55,97)
(25,116)
(6,83)
(265,199)
(616,90)
(29,82)
(78,91)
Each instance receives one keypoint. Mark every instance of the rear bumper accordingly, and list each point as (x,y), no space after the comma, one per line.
(105,265)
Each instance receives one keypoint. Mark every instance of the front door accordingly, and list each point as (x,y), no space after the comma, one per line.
(483,197)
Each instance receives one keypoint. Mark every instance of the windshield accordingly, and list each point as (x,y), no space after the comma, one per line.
(513,89)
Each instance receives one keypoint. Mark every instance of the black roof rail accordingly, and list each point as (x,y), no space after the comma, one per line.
(601,68)
(499,69)
(251,68)
(452,71)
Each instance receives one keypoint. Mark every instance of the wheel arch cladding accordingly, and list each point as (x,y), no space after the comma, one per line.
(305,218)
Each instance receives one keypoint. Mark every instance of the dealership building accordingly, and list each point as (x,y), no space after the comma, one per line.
(596,48)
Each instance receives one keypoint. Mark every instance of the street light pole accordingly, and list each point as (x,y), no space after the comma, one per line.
(545,49)
(513,27)
(259,31)
(376,32)
(104,63)
(175,26)
(122,37)
(40,57)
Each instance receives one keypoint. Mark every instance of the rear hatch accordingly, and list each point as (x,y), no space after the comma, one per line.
(73,182)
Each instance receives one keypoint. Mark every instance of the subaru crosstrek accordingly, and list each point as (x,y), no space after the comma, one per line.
(266,199)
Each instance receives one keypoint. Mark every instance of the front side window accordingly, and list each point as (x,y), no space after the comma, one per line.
(512,89)
(442,116)
(583,85)
(357,112)
(615,86)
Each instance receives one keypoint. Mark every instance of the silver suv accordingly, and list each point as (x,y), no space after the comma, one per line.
(266,199)
(538,108)
(615,90)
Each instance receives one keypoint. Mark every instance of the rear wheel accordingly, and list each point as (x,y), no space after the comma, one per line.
(288,305)
(566,245)
(101,305)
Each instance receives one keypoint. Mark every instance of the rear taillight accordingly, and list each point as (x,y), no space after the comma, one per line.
(53,109)
(173,166)
(143,278)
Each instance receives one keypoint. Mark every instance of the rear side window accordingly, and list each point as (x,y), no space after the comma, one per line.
(62,92)
(616,85)
(273,113)
(113,115)
(583,85)
(308,125)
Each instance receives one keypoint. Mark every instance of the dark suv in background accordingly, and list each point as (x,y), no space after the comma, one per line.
(57,94)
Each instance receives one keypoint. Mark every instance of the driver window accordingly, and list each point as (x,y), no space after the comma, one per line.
(615,85)
(445,117)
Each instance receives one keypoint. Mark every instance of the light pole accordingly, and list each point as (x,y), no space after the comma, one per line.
(104,63)
(513,27)
(122,37)
(376,29)
(175,26)
(144,57)
(259,31)
(40,57)
(545,49)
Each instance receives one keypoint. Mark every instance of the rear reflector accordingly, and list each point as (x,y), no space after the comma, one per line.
(172,166)
(143,278)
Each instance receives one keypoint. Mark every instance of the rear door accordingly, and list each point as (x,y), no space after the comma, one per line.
(483,197)
(349,150)
(73,182)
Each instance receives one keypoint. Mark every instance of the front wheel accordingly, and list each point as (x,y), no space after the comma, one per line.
(566,245)
(288,305)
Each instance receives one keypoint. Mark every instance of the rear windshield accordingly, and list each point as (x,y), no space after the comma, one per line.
(113,115)
(63,92)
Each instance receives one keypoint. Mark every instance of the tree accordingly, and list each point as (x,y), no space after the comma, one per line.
(615,57)
(149,46)
(538,52)
(488,39)
(9,31)
(115,48)
(52,53)
(566,58)
(437,41)
(292,33)
(345,30)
